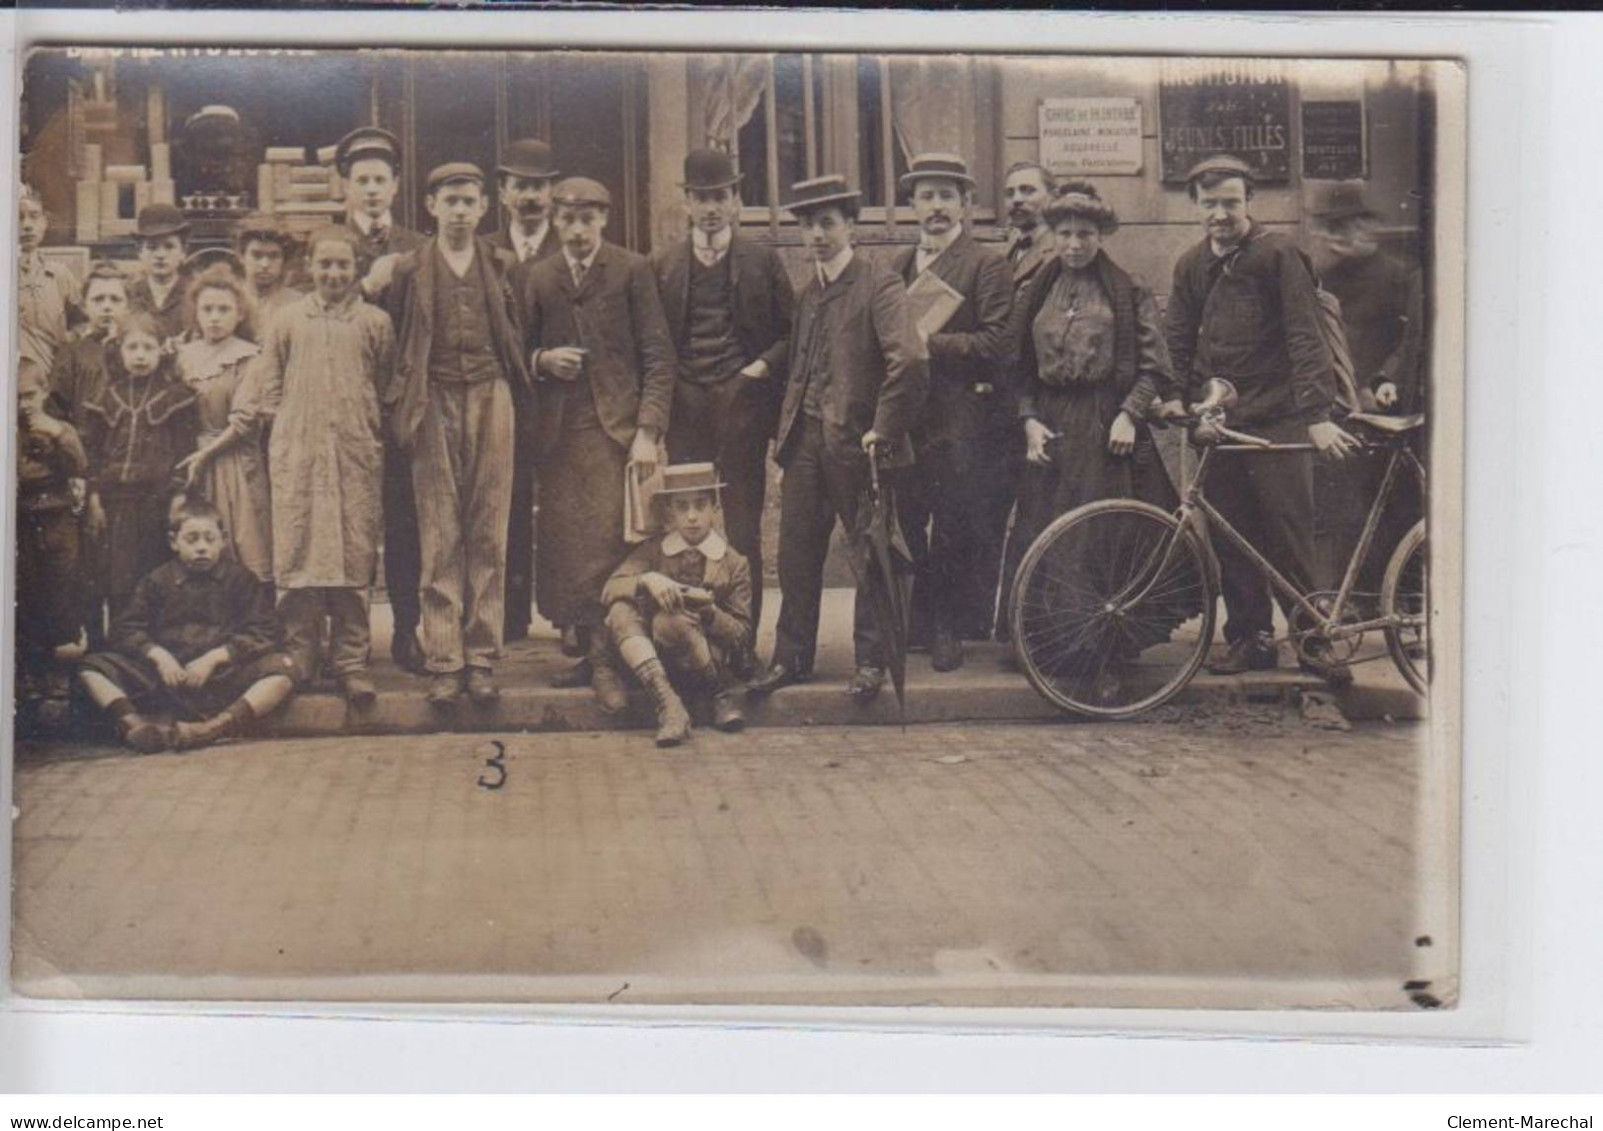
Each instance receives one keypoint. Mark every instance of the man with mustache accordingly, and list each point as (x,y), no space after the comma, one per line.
(1243,308)
(963,438)
(525,178)
(370,161)
(728,301)
(450,405)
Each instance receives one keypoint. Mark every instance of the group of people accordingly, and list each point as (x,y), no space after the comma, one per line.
(212,454)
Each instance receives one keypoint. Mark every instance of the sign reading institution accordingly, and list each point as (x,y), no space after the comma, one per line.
(1091,136)
(1241,108)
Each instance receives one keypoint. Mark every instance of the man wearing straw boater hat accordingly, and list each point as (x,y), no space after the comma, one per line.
(525,177)
(603,367)
(950,510)
(680,606)
(728,301)
(458,360)
(857,381)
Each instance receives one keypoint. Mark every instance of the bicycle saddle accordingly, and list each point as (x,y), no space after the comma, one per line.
(1391,424)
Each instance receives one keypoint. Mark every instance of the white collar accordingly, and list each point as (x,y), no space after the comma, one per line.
(833,267)
(587,262)
(933,245)
(719,243)
(531,242)
(713,547)
(364,223)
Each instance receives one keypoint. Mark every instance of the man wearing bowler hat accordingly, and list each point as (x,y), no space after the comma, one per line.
(603,367)
(525,178)
(458,360)
(729,303)
(1243,308)
(962,440)
(857,380)
(159,232)
(369,160)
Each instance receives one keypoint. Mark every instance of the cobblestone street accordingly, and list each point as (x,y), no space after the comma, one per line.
(1249,861)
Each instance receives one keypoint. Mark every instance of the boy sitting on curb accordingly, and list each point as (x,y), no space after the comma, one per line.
(683,596)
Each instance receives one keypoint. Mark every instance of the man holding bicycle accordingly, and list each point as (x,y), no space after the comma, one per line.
(1243,308)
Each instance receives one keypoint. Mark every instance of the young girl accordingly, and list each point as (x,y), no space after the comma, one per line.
(227,467)
(321,364)
(136,429)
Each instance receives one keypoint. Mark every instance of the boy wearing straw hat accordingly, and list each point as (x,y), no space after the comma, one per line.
(683,599)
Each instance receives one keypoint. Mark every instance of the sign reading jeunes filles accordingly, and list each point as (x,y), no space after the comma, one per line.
(1091,136)
(1241,107)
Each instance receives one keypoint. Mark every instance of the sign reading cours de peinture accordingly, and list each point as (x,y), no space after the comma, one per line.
(1091,136)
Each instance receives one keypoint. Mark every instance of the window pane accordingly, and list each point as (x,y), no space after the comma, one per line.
(790,134)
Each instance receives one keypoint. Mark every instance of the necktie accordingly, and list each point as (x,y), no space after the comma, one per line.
(578,274)
(379,234)
(823,279)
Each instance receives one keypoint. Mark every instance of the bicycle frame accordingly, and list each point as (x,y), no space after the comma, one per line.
(1195,502)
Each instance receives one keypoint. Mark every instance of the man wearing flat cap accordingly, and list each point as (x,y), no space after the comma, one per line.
(450,404)
(729,303)
(1243,308)
(963,438)
(159,231)
(369,160)
(526,175)
(603,367)
(857,380)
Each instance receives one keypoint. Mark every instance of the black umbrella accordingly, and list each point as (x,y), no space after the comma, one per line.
(883,565)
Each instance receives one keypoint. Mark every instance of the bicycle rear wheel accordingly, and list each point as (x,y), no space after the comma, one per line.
(1113,609)
(1405,592)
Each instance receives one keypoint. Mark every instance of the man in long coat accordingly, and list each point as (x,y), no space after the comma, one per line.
(962,439)
(603,366)
(525,178)
(729,303)
(458,361)
(858,377)
(369,160)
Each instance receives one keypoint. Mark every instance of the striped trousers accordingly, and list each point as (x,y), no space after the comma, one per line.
(462,478)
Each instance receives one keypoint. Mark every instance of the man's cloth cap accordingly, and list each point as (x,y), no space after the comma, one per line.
(367,141)
(529,158)
(581,192)
(1221,163)
(453,172)
(1340,201)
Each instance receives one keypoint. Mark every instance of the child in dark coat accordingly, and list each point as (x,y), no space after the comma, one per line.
(49,458)
(198,637)
(682,598)
(136,429)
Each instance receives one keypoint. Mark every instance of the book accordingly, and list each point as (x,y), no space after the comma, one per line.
(933,302)
(639,523)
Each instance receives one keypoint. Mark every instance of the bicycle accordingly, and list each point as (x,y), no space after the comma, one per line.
(1114,603)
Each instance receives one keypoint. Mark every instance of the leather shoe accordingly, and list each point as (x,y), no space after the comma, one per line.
(866,683)
(408,653)
(359,690)
(726,713)
(1249,654)
(778,675)
(445,690)
(579,675)
(1316,660)
(946,650)
(481,686)
(608,685)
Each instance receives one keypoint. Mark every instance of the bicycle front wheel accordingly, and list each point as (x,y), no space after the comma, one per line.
(1113,609)
(1405,596)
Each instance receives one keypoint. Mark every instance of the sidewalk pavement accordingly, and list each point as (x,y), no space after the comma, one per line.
(980,691)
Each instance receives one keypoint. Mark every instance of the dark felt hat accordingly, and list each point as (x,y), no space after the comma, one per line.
(806,196)
(936,166)
(1340,201)
(530,158)
(159,220)
(709,169)
(580,192)
(452,172)
(367,141)
(1221,163)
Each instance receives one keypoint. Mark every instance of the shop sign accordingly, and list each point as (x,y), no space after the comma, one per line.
(1239,107)
(1091,136)
(1333,140)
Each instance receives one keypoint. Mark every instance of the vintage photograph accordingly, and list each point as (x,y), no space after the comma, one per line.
(737,528)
